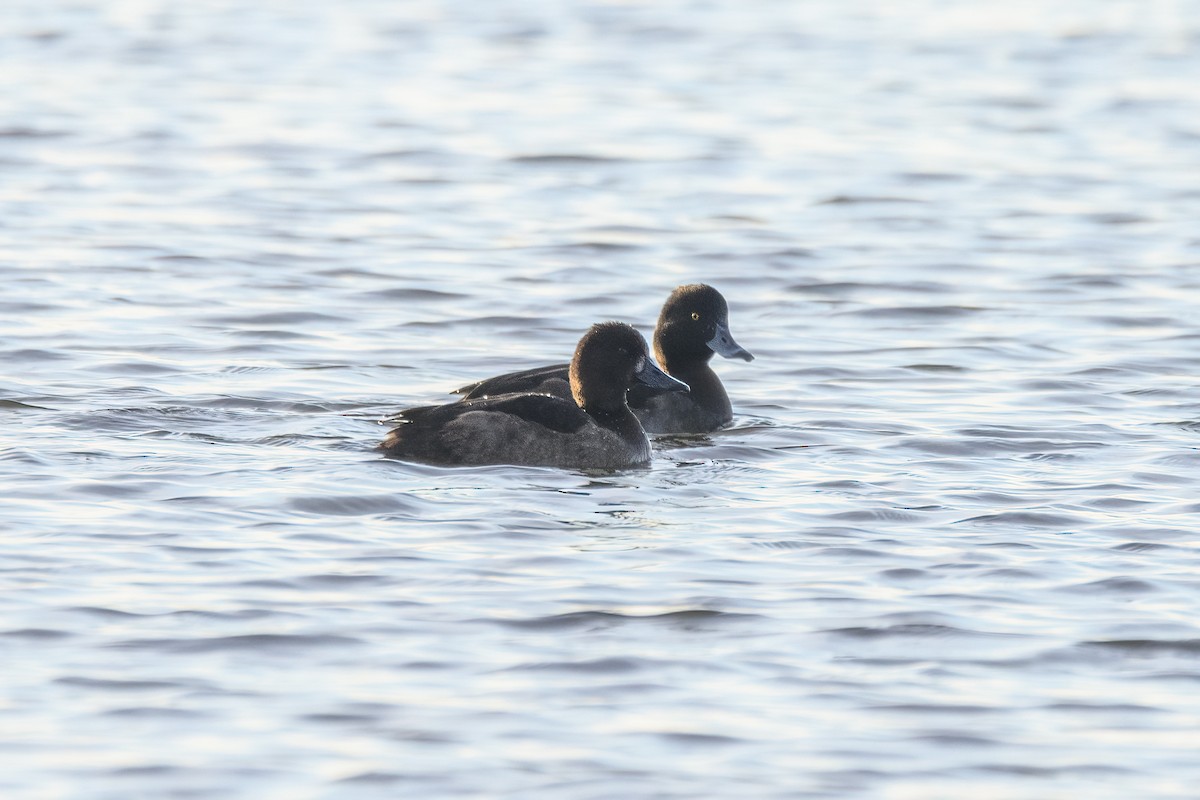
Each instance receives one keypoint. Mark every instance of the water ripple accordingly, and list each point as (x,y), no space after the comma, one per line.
(948,547)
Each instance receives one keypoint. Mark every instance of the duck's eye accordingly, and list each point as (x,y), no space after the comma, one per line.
(641,365)
(696,315)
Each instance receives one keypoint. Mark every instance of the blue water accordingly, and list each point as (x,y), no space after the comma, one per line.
(949,547)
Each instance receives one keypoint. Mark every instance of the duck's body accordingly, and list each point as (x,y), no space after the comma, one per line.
(592,429)
(694,324)
(704,408)
(538,429)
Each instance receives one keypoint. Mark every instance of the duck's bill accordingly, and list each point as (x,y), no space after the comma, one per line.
(650,375)
(723,344)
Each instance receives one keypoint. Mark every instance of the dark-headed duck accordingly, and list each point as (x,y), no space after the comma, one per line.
(593,429)
(693,324)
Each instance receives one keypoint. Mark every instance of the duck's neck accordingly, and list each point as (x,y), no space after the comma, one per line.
(706,388)
(686,361)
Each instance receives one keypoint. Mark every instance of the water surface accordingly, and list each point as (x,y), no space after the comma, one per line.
(949,546)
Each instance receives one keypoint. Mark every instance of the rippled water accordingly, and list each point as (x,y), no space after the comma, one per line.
(949,547)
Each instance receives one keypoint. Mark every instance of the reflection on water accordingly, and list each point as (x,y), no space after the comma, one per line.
(948,546)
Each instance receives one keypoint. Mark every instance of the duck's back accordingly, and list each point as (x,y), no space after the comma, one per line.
(554,379)
(705,408)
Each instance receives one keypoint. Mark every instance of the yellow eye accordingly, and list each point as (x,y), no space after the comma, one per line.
(696,315)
